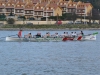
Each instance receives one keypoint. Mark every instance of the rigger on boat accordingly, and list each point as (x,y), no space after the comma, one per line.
(56,37)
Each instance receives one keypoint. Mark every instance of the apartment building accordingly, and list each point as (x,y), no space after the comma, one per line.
(44,8)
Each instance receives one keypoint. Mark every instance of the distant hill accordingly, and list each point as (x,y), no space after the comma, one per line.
(95,3)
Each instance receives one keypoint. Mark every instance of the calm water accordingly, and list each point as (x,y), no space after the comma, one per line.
(49,58)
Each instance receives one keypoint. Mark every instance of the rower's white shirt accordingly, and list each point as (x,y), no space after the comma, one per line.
(74,34)
(64,34)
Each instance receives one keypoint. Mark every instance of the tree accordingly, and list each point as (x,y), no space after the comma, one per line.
(69,16)
(11,14)
(74,17)
(10,21)
(22,17)
(2,16)
(53,17)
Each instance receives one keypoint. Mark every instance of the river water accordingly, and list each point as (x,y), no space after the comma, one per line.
(49,58)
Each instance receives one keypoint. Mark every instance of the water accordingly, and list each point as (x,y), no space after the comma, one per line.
(49,58)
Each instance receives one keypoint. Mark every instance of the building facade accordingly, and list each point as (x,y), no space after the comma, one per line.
(43,8)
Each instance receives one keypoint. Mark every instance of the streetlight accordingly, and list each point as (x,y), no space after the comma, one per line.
(99,15)
(37,16)
(84,13)
(46,14)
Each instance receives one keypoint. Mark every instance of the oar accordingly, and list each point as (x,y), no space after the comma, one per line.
(13,35)
(9,36)
(95,33)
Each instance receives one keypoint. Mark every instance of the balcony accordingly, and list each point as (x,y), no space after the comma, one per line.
(38,14)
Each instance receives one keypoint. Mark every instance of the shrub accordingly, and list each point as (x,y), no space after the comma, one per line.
(10,21)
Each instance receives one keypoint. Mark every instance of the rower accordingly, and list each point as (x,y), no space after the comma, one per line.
(38,35)
(82,33)
(65,34)
(47,35)
(28,35)
(55,35)
(74,34)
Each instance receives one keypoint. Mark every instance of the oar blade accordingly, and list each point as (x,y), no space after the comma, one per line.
(95,33)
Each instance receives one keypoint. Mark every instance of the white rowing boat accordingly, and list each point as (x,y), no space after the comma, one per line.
(41,39)
(32,39)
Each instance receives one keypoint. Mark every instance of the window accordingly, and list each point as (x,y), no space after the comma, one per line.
(41,13)
(64,3)
(17,10)
(22,5)
(64,8)
(69,10)
(49,8)
(18,5)
(41,7)
(74,5)
(0,10)
(21,10)
(37,7)
(27,11)
(31,11)
(8,4)
(73,10)
(8,10)
(3,4)
(51,14)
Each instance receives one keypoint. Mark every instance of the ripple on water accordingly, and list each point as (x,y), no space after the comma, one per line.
(50,58)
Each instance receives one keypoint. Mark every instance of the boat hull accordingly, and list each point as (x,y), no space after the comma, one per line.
(78,38)
(32,39)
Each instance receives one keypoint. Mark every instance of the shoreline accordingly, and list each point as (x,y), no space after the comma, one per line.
(44,29)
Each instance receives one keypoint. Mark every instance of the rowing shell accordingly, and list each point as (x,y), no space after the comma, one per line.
(81,38)
(16,39)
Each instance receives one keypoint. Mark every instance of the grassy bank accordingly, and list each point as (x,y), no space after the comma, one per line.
(67,26)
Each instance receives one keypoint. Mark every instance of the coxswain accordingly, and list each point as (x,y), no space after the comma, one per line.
(20,33)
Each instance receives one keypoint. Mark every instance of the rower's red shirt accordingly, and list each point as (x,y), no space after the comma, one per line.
(20,33)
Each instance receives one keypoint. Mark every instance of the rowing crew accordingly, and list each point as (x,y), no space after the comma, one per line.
(47,35)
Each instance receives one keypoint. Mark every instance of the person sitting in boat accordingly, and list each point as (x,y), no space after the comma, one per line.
(47,35)
(28,35)
(55,35)
(20,33)
(82,33)
(65,34)
(38,35)
(74,34)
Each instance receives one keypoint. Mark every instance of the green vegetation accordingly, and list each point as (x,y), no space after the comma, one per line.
(10,21)
(81,26)
(2,17)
